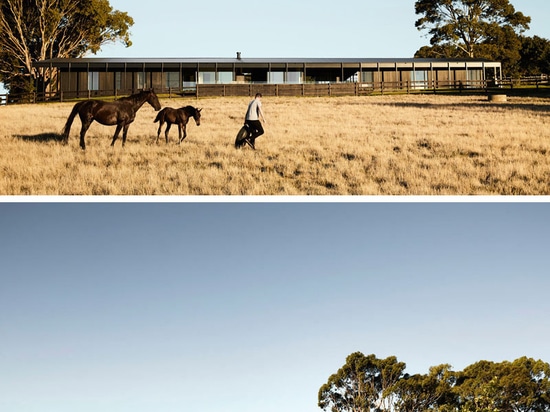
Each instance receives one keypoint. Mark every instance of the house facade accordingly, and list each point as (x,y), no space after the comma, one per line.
(115,76)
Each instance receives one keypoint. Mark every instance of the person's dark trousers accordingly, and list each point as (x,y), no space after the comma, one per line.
(255,128)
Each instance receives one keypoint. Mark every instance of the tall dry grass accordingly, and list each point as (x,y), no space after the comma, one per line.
(383,145)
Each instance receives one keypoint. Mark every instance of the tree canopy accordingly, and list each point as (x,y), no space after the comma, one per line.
(490,29)
(33,30)
(468,25)
(519,386)
(366,383)
(362,384)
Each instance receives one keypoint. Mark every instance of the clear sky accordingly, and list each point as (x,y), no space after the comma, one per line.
(286,28)
(174,307)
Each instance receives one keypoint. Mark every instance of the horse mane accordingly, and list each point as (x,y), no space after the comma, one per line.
(135,96)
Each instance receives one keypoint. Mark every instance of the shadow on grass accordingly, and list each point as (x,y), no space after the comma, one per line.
(538,108)
(41,137)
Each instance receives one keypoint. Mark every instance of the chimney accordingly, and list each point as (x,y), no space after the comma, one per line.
(238,55)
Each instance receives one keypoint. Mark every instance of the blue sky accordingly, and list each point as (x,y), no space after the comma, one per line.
(250,307)
(286,28)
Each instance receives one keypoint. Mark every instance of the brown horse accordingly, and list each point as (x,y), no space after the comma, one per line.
(121,113)
(177,116)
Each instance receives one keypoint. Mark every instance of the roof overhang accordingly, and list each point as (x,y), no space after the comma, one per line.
(91,63)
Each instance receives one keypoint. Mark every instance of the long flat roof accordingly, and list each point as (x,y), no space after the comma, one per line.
(254,61)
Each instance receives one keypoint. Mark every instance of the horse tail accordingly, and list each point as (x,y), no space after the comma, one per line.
(69,122)
(160,116)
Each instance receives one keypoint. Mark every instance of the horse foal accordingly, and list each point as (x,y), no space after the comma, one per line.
(177,116)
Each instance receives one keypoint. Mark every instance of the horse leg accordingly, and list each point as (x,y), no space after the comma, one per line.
(85,125)
(161,123)
(125,133)
(168,126)
(184,128)
(180,133)
(117,131)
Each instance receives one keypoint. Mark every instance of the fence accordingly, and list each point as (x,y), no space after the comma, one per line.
(34,97)
(304,89)
(536,81)
(334,89)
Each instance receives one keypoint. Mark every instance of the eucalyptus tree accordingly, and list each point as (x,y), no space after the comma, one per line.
(426,392)
(467,24)
(361,384)
(472,29)
(535,56)
(519,386)
(33,30)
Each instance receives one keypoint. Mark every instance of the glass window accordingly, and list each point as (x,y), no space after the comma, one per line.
(93,80)
(225,77)
(367,77)
(294,77)
(189,80)
(276,77)
(420,79)
(207,77)
(140,80)
(475,77)
(172,80)
(118,80)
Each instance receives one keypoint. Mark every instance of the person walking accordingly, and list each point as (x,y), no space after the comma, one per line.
(254,114)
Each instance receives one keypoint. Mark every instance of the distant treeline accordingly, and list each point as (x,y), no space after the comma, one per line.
(366,383)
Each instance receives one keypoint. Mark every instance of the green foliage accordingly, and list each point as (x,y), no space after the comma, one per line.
(425,392)
(519,386)
(535,56)
(472,29)
(363,383)
(466,24)
(33,30)
(366,383)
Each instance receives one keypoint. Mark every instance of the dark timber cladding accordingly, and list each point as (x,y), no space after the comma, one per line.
(113,76)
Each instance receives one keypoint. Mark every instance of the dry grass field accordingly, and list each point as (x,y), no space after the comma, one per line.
(378,145)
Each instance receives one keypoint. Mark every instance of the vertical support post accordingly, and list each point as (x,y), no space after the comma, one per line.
(180,85)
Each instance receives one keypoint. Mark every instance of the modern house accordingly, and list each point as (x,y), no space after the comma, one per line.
(234,76)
